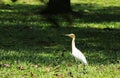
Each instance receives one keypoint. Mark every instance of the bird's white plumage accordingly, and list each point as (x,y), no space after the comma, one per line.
(78,55)
(75,52)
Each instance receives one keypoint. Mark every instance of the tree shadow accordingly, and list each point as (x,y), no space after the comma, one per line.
(102,14)
(87,13)
(99,48)
(28,33)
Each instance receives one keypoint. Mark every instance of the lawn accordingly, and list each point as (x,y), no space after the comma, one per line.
(33,45)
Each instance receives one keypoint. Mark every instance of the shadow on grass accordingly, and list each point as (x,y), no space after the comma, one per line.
(100,46)
(31,35)
(97,13)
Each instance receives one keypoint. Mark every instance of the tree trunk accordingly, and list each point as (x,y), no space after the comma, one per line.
(58,6)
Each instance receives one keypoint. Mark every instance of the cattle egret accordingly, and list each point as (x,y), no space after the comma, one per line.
(76,52)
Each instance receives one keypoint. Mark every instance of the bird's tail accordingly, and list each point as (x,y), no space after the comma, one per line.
(85,62)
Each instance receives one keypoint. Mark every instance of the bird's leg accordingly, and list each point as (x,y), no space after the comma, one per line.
(76,63)
(84,69)
(76,60)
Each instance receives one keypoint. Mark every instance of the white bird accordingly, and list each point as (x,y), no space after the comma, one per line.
(76,52)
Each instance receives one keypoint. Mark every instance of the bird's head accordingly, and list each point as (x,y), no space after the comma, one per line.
(70,35)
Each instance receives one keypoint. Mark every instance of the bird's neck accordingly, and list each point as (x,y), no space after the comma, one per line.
(73,43)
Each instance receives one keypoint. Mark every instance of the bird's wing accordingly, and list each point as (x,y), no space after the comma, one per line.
(79,55)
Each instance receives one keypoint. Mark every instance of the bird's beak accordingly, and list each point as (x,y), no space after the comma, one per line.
(67,35)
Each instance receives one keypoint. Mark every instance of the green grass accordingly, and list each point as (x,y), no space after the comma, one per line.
(34,46)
